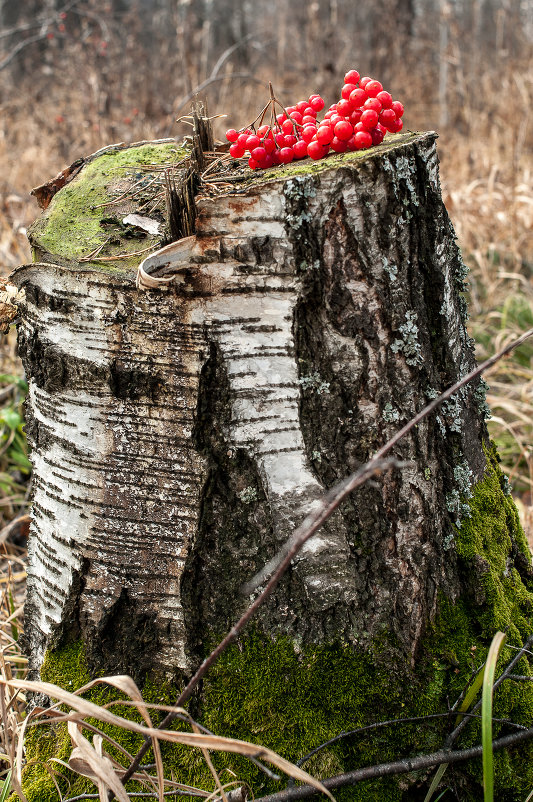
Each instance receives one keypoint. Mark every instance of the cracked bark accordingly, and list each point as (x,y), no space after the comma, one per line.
(179,434)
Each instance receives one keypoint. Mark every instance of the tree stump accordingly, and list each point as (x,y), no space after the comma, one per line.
(179,434)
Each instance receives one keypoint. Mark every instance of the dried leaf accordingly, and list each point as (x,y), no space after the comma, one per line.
(44,193)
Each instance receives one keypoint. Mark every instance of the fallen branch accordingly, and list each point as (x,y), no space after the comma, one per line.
(404,766)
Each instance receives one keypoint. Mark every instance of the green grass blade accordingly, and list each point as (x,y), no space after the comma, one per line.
(465,704)
(6,788)
(435,782)
(486,716)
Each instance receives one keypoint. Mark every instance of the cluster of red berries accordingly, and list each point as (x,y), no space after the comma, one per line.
(360,119)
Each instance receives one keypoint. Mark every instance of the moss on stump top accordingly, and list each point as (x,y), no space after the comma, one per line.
(87,213)
(84,221)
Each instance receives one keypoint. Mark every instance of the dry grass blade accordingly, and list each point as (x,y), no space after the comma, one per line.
(125,684)
(97,767)
(207,758)
(84,708)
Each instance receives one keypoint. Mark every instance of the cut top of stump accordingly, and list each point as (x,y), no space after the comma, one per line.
(88,224)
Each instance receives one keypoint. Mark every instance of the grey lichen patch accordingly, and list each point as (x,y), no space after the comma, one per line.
(248,495)
(315,383)
(390,413)
(453,411)
(71,228)
(390,269)
(480,398)
(297,192)
(408,344)
(402,172)
(457,499)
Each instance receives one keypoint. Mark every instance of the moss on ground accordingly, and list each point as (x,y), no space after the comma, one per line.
(266,691)
(73,226)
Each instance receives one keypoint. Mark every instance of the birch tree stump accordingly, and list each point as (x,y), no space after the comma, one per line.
(179,434)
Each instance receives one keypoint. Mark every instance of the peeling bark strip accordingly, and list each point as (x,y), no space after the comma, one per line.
(180,433)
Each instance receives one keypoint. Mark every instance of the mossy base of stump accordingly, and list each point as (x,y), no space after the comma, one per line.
(267,692)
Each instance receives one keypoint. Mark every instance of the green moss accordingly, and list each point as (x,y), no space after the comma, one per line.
(292,700)
(332,161)
(71,227)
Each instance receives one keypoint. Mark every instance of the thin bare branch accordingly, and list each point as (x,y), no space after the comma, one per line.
(399,767)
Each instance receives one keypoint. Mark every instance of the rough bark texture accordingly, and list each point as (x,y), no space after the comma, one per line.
(180,434)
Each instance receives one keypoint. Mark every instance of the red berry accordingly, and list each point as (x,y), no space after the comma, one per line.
(316,103)
(252,142)
(290,109)
(343,131)
(335,118)
(387,117)
(352,145)
(309,111)
(355,116)
(372,88)
(261,132)
(287,127)
(286,155)
(398,108)
(339,145)
(317,151)
(300,149)
(363,140)
(308,120)
(301,106)
(281,118)
(232,135)
(372,103)
(242,140)
(252,164)
(385,99)
(269,145)
(280,140)
(258,154)
(268,161)
(358,97)
(297,117)
(324,134)
(344,107)
(308,133)
(363,82)
(352,77)
(236,151)
(396,127)
(347,90)
(369,118)
(290,140)
(377,136)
